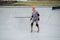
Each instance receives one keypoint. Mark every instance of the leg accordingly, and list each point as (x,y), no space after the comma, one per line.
(37,26)
(31,26)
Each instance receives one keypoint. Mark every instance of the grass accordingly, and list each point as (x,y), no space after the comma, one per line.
(36,3)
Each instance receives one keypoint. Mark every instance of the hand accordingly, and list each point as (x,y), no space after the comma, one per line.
(30,19)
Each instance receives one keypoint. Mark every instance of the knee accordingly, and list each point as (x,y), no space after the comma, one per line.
(37,25)
(32,24)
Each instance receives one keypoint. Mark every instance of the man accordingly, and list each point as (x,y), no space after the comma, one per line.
(34,18)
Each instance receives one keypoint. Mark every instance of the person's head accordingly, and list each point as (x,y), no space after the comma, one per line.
(33,8)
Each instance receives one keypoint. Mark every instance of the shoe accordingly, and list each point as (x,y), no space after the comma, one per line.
(38,31)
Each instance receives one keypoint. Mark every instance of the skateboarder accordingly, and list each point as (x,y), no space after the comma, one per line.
(34,18)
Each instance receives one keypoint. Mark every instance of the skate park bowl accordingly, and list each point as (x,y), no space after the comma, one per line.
(15,23)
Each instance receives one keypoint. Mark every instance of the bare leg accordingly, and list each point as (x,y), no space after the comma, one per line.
(37,26)
(31,26)
(38,29)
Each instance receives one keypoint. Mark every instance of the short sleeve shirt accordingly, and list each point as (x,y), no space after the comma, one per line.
(35,15)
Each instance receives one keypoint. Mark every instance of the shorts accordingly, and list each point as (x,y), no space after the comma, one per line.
(34,21)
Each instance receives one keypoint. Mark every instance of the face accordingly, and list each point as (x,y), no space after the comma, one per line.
(33,9)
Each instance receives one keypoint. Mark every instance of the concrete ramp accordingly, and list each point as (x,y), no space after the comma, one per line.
(15,23)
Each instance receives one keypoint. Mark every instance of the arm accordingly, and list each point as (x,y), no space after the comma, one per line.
(38,16)
(31,17)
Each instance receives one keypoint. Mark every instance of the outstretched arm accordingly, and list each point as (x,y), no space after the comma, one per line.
(31,17)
